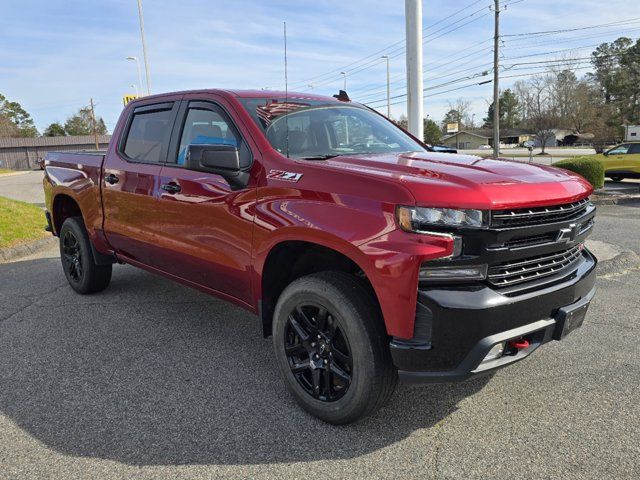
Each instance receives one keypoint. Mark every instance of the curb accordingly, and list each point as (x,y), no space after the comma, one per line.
(25,249)
(13,174)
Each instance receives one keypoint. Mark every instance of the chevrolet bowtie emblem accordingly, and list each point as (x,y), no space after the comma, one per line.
(566,235)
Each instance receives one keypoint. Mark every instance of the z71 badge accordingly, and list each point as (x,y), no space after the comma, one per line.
(286,176)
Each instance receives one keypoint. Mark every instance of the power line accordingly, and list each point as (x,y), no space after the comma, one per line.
(548,32)
(384,50)
(397,51)
(431,67)
(378,60)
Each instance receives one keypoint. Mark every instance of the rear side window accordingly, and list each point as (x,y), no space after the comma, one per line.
(148,135)
(634,148)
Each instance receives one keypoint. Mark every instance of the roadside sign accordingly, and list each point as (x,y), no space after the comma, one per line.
(452,127)
(128,97)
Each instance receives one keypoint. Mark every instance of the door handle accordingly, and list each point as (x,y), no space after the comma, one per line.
(171,187)
(111,179)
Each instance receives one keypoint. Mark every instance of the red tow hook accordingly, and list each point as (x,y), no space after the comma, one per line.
(518,343)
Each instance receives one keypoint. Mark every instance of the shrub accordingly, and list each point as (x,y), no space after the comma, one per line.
(590,168)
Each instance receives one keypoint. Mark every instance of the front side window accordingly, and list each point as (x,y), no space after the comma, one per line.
(148,133)
(210,126)
(304,128)
(619,150)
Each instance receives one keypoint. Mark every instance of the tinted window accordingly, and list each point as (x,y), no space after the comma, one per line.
(148,134)
(634,148)
(620,149)
(211,126)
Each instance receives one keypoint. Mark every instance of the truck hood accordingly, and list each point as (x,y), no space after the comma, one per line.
(467,181)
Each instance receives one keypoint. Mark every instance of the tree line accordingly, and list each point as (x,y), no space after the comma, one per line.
(601,102)
(15,121)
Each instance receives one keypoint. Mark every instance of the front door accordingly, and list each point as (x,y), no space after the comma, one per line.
(633,158)
(131,180)
(617,158)
(206,225)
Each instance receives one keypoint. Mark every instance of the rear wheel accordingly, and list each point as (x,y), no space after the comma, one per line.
(78,264)
(332,348)
(616,178)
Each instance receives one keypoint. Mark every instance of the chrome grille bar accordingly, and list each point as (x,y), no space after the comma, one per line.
(538,214)
(532,268)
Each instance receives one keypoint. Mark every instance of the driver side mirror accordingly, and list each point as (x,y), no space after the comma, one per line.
(220,159)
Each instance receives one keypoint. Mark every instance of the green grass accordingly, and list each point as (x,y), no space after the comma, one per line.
(20,222)
(4,170)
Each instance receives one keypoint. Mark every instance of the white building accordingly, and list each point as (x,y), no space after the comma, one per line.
(632,133)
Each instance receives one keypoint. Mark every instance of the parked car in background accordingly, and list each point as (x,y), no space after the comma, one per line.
(485,147)
(622,161)
(367,257)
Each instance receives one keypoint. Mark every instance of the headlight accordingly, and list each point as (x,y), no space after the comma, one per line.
(419,219)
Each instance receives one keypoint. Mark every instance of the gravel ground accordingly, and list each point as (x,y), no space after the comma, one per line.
(150,379)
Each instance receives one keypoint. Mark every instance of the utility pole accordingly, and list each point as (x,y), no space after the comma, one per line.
(413,19)
(144,47)
(344,80)
(386,57)
(496,84)
(93,124)
(459,128)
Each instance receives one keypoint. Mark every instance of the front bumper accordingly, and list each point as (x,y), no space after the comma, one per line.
(457,326)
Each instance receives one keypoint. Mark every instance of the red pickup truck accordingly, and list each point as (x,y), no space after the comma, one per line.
(367,257)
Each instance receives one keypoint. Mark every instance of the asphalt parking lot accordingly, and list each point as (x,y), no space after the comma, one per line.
(150,379)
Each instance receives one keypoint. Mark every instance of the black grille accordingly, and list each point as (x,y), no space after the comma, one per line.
(538,215)
(526,269)
(522,242)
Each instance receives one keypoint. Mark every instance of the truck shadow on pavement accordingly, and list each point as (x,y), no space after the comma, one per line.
(153,373)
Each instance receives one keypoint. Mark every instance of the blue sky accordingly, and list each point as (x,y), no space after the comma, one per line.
(56,55)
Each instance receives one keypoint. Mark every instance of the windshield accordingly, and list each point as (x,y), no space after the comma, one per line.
(303,128)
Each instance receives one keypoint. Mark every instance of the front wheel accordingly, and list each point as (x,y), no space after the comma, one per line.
(332,348)
(82,273)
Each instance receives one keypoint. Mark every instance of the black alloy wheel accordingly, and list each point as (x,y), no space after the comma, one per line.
(72,256)
(318,352)
(78,262)
(332,348)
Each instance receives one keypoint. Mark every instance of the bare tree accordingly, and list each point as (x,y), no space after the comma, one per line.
(538,100)
(463,108)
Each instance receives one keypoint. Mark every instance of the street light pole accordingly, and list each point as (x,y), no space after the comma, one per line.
(144,47)
(344,79)
(415,98)
(386,57)
(135,59)
(496,79)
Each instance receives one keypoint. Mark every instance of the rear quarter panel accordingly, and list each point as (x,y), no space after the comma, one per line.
(78,176)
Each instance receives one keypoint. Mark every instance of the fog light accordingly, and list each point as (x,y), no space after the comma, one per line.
(496,352)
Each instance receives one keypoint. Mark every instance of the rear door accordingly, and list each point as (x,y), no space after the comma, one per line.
(633,158)
(131,180)
(206,225)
